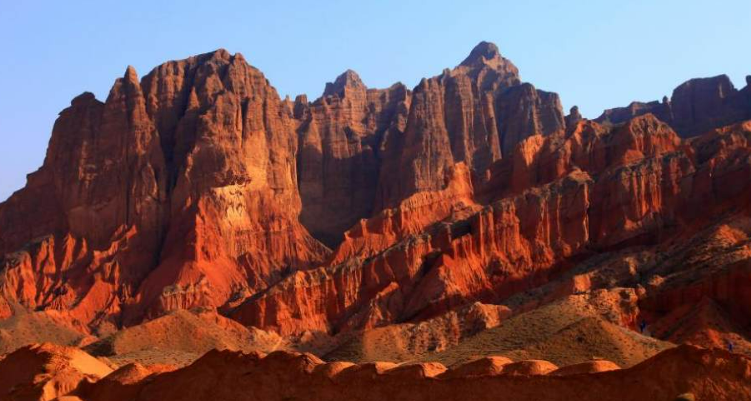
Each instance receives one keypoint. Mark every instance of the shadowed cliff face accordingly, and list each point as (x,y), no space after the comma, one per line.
(362,150)
(473,114)
(696,106)
(197,186)
(340,139)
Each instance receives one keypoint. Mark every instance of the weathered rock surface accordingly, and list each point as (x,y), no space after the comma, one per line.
(474,114)
(485,366)
(341,135)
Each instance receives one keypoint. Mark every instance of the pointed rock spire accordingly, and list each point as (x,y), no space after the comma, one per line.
(131,75)
(573,117)
(347,80)
(486,55)
(130,84)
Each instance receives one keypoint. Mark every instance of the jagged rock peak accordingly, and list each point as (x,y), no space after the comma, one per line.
(486,57)
(220,53)
(483,52)
(347,80)
(717,87)
(219,56)
(128,85)
(130,74)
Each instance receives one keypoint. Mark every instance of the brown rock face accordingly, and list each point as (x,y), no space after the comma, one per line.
(696,106)
(145,196)
(474,114)
(340,138)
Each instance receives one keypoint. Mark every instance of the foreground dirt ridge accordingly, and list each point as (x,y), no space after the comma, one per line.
(53,372)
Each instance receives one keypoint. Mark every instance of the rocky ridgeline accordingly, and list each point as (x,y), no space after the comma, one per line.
(198,187)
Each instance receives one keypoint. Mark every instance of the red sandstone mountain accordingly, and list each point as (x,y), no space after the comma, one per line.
(376,223)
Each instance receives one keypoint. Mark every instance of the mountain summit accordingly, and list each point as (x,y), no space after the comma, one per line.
(482,53)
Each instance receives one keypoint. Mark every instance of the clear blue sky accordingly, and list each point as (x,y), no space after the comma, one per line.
(594,53)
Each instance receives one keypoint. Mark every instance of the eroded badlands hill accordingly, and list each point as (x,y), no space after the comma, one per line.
(684,373)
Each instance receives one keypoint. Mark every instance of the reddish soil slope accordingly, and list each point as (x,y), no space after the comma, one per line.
(226,375)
